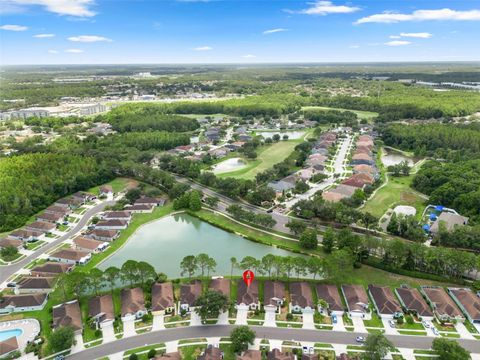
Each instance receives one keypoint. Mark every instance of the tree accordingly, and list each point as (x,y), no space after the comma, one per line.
(9,252)
(276,137)
(241,337)
(211,304)
(212,201)
(369,220)
(203,261)
(249,262)
(315,266)
(189,265)
(377,346)
(233,264)
(449,350)
(392,226)
(338,265)
(267,263)
(308,239)
(151,353)
(195,201)
(133,356)
(111,275)
(95,279)
(328,240)
(296,226)
(61,339)
(146,272)
(129,272)
(301,187)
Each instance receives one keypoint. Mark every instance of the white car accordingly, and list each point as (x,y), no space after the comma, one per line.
(392,324)
(426,324)
(360,339)
(435,331)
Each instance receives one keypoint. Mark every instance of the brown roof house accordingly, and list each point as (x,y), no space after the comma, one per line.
(41,226)
(50,217)
(104,235)
(112,225)
(8,242)
(250,355)
(70,256)
(105,190)
(274,294)
(50,269)
(35,285)
(211,353)
(468,302)
(169,356)
(329,294)
(139,208)
(8,346)
(361,158)
(189,293)
(384,301)
(100,308)
(89,245)
(356,299)
(443,306)
(118,215)
(412,301)
(248,295)
(133,304)
(68,314)
(26,235)
(53,209)
(221,285)
(24,302)
(276,354)
(162,298)
(449,220)
(301,299)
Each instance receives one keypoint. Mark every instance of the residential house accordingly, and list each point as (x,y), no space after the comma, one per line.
(359,159)
(189,293)
(282,185)
(248,295)
(35,285)
(89,245)
(356,299)
(384,301)
(140,208)
(468,302)
(221,285)
(50,269)
(244,137)
(367,169)
(104,235)
(24,302)
(68,314)
(310,357)
(218,153)
(333,196)
(101,309)
(305,174)
(211,353)
(50,217)
(162,298)
(359,180)
(83,197)
(112,225)
(26,235)
(117,215)
(412,301)
(69,203)
(11,242)
(70,256)
(362,149)
(133,303)
(106,190)
(276,354)
(274,294)
(329,294)
(41,226)
(444,308)
(301,299)
(8,347)
(169,356)
(449,220)
(250,355)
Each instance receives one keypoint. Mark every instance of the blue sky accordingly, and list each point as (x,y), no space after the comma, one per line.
(237,31)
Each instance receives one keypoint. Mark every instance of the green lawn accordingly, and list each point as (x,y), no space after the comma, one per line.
(267,157)
(396,192)
(34,245)
(374,322)
(117,184)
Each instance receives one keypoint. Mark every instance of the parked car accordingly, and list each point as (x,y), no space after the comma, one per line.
(334,319)
(435,331)
(392,324)
(426,324)
(12,284)
(360,339)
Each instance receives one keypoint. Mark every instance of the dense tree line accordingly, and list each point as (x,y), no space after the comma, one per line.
(31,182)
(466,237)
(237,212)
(347,118)
(157,140)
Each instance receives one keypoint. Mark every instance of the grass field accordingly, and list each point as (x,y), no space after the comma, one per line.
(368,115)
(267,157)
(118,184)
(396,192)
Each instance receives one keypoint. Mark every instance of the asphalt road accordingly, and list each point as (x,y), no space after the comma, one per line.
(8,270)
(192,332)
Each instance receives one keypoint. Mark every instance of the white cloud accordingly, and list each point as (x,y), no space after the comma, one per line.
(43,36)
(202,48)
(79,8)
(249,56)
(394,36)
(273,31)
(325,8)
(422,15)
(13,27)
(88,38)
(74,51)
(53,51)
(397,43)
(354,46)
(420,35)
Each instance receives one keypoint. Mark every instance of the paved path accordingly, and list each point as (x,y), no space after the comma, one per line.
(7,271)
(192,332)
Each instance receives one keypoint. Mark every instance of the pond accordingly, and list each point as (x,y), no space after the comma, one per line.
(391,157)
(292,135)
(229,165)
(165,242)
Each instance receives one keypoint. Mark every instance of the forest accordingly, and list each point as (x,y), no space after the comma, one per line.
(31,182)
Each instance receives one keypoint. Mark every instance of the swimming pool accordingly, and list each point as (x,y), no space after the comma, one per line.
(4,335)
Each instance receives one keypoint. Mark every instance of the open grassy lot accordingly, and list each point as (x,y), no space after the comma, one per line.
(267,157)
(118,184)
(396,192)
(368,115)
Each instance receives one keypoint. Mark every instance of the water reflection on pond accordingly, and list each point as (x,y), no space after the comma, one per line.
(229,165)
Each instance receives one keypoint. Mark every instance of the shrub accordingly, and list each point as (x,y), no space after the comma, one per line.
(133,357)
(151,353)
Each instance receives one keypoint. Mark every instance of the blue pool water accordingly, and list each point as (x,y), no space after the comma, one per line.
(4,335)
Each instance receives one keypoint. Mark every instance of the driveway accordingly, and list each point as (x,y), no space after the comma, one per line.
(78,343)
(388,328)
(195,319)
(129,327)
(358,325)
(223,318)
(463,331)
(108,333)
(242,312)
(339,326)
(270,314)
(308,322)
(158,322)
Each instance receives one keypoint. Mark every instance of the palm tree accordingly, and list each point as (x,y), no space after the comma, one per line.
(233,265)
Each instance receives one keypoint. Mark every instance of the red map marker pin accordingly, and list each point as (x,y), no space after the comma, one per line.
(248,277)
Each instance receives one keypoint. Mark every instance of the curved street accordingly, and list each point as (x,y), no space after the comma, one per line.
(206,331)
